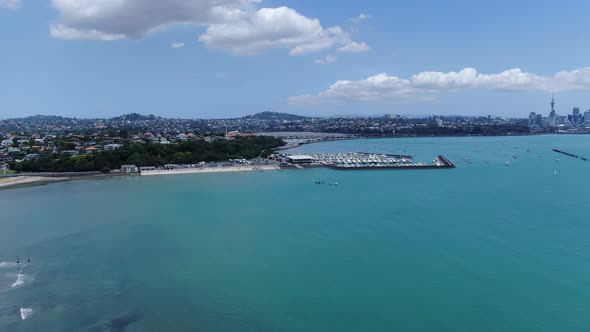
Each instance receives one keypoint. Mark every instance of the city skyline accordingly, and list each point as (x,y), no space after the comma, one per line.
(215,59)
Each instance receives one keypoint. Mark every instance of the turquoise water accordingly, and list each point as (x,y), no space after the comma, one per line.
(484,247)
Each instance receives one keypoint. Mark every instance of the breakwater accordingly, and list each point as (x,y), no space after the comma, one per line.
(570,155)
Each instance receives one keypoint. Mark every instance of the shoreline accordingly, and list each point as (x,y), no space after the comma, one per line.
(31,180)
(298,145)
(205,170)
(28,181)
(16,181)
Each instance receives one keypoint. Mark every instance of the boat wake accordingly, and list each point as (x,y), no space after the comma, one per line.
(7,265)
(26,313)
(21,279)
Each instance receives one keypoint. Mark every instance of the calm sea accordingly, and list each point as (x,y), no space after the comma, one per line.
(483,247)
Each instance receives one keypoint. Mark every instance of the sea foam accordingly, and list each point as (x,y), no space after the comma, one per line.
(26,313)
(21,278)
(7,265)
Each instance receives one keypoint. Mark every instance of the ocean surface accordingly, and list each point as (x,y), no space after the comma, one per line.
(483,247)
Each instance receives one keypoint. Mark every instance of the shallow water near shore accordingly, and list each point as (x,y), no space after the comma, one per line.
(483,247)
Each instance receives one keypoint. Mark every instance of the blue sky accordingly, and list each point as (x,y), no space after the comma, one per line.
(103,58)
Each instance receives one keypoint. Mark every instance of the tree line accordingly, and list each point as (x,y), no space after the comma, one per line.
(153,154)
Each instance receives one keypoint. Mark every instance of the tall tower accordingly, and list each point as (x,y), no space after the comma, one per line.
(552,114)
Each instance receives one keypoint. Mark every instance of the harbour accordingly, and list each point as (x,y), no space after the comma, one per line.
(364,161)
(249,240)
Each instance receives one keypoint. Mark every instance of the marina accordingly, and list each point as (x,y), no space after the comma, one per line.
(365,161)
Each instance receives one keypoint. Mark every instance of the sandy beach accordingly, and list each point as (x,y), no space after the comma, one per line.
(26,180)
(20,181)
(211,170)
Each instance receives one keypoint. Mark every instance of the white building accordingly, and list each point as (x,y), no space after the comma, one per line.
(129,169)
(300,159)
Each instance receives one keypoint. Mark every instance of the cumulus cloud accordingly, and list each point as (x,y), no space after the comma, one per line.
(426,85)
(177,45)
(359,19)
(325,60)
(10,4)
(136,18)
(65,32)
(233,25)
(248,33)
(355,47)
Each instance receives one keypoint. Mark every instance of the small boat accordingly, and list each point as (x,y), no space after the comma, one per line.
(507,163)
(515,156)
(555,172)
(557,160)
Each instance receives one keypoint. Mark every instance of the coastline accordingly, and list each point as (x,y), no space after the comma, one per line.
(354,137)
(17,181)
(28,181)
(206,170)
(31,180)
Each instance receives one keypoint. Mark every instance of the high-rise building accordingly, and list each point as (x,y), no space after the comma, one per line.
(532,118)
(576,116)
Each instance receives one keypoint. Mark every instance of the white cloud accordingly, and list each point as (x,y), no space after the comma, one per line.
(136,18)
(65,32)
(247,33)
(177,45)
(426,85)
(10,4)
(355,47)
(233,25)
(325,60)
(359,18)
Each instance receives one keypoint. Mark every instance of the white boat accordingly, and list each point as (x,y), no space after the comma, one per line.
(507,163)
